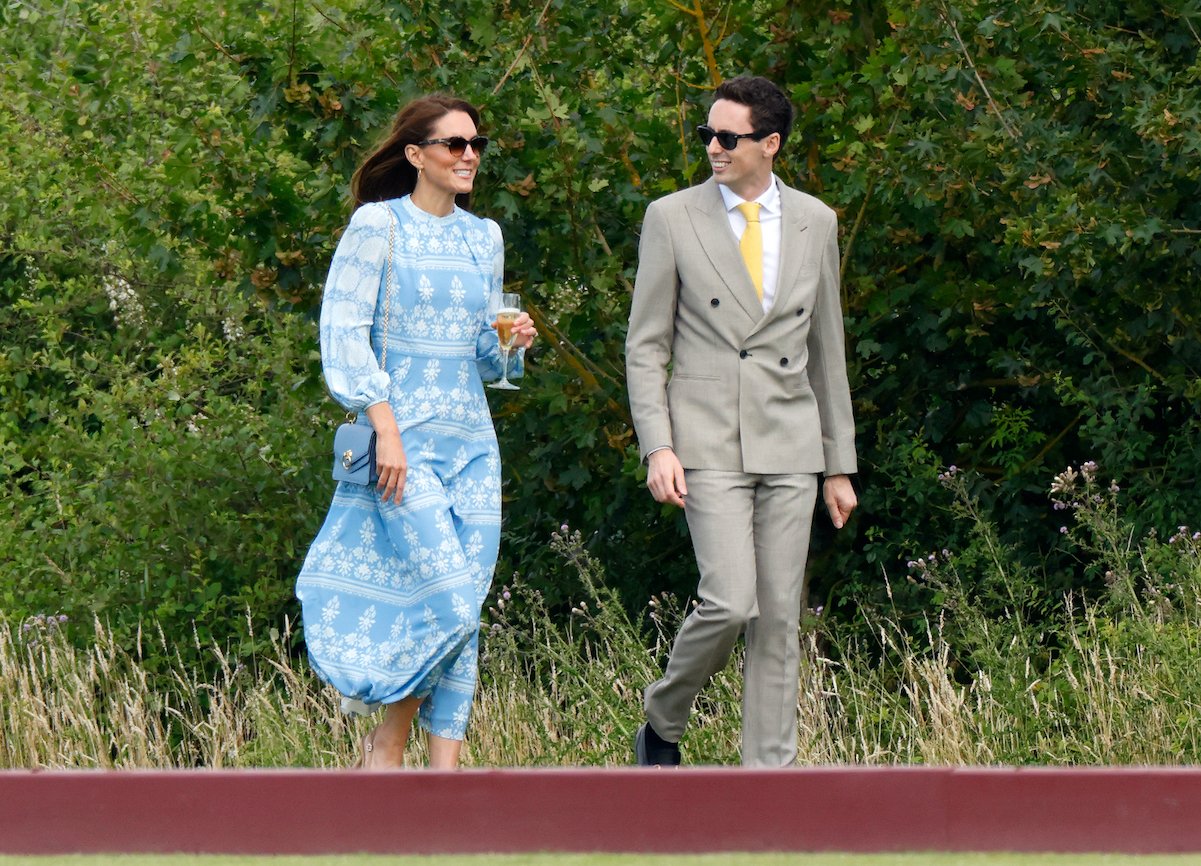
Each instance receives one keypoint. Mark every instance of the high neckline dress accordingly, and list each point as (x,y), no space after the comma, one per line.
(391,594)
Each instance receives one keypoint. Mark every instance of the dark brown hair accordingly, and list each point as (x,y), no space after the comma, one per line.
(770,109)
(387,173)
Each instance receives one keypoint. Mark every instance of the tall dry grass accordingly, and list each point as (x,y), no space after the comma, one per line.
(1112,681)
(578,705)
(103,707)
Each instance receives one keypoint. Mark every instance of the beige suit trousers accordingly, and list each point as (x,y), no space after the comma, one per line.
(751,538)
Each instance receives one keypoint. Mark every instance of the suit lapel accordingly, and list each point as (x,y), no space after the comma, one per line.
(793,223)
(712,226)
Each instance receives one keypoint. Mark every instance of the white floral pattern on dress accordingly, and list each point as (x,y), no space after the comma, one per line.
(391,594)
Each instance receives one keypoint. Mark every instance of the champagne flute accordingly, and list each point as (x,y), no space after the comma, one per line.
(506,315)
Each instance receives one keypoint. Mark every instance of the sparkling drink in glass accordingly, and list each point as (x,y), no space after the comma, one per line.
(504,327)
(506,315)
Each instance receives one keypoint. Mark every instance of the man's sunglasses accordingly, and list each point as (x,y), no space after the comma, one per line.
(728,140)
(457,145)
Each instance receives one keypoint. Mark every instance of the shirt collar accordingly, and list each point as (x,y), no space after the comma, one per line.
(769,200)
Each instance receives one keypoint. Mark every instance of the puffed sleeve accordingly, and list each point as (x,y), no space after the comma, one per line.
(488,357)
(348,305)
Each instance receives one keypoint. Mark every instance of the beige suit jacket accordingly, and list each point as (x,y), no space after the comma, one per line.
(713,377)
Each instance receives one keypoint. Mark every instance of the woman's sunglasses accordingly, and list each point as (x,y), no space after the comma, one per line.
(728,140)
(457,145)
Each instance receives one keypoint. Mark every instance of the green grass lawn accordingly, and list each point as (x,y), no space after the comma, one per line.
(934,859)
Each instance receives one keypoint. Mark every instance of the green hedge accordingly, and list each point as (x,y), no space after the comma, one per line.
(1018,189)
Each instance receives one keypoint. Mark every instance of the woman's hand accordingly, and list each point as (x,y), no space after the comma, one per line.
(390,460)
(524,331)
(392,466)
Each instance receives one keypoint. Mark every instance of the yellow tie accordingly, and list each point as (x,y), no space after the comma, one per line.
(751,245)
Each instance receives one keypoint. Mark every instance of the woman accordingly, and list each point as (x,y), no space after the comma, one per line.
(392,588)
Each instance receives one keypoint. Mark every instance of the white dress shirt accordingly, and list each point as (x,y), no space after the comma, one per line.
(769,225)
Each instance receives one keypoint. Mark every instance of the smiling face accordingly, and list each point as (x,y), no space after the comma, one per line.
(746,169)
(443,175)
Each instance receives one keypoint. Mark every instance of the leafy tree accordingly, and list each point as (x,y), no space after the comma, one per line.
(1018,192)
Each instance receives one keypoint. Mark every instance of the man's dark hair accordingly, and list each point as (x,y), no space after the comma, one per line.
(770,109)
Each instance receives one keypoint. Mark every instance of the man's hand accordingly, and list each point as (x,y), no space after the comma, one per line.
(840,498)
(665,477)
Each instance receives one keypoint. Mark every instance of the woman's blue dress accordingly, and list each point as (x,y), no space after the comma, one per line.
(391,594)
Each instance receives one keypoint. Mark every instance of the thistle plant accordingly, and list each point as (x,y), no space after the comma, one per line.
(42,627)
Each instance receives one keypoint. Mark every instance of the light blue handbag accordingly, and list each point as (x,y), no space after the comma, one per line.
(354,453)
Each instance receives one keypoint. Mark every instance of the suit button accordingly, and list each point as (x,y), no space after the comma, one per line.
(783,362)
(801,311)
(715,303)
(743,353)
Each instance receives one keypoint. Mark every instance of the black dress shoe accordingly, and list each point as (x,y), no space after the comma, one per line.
(651,750)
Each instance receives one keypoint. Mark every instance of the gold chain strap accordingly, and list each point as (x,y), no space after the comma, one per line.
(383,361)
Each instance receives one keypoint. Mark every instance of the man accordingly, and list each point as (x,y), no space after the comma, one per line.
(743,304)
